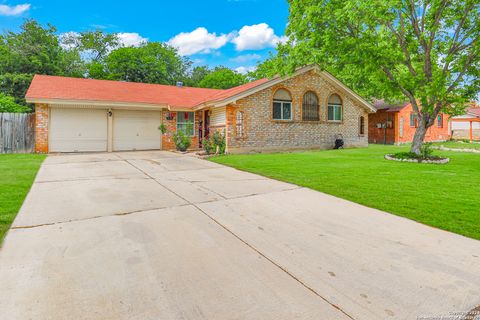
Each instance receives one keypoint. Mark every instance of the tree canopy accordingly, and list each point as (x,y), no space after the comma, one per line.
(154,62)
(425,52)
(8,104)
(36,49)
(222,78)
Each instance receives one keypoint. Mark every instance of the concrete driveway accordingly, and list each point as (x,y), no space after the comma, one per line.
(155,235)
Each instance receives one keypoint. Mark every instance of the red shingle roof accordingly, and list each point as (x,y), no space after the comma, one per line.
(63,88)
(474,110)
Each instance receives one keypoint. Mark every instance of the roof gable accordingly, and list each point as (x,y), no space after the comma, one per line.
(259,85)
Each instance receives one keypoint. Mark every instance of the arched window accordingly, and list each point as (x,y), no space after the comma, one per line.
(362,125)
(310,108)
(335,108)
(282,105)
(240,129)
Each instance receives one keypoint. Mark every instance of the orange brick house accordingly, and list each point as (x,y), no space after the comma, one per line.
(305,110)
(396,124)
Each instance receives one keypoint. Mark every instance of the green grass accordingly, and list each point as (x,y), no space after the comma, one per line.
(443,196)
(17,174)
(459,145)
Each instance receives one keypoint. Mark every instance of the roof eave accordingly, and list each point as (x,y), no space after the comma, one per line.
(97,103)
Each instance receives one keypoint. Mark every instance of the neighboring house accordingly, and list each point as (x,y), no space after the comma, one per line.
(305,110)
(396,124)
(467,126)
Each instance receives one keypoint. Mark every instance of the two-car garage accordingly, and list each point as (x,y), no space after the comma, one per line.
(88,129)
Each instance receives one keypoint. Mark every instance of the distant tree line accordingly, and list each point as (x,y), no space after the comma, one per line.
(36,49)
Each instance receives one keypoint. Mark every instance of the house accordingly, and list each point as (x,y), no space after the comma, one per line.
(304,110)
(467,126)
(396,124)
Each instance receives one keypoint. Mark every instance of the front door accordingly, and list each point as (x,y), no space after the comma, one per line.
(203,128)
(206,124)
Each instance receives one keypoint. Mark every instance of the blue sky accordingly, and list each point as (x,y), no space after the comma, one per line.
(235,33)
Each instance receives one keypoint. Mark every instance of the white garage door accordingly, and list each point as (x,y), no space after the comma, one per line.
(77,130)
(136,130)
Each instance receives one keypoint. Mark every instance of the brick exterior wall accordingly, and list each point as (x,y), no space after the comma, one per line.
(434,133)
(167,140)
(41,128)
(263,134)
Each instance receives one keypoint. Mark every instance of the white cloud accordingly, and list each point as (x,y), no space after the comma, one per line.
(246,58)
(69,40)
(256,37)
(131,39)
(245,70)
(198,41)
(6,10)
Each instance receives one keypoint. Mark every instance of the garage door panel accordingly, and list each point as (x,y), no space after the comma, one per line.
(78,130)
(136,130)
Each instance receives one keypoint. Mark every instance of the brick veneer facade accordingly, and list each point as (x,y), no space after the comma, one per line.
(261,133)
(171,125)
(393,134)
(41,128)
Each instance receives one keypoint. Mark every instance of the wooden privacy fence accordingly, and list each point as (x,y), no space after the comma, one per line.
(17,132)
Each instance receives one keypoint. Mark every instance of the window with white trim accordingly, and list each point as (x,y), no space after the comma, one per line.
(401,127)
(282,105)
(186,123)
(413,120)
(335,106)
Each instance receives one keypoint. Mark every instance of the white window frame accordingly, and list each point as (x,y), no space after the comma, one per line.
(414,119)
(402,124)
(282,118)
(335,106)
(185,123)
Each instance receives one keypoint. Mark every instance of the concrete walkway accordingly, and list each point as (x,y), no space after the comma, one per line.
(154,235)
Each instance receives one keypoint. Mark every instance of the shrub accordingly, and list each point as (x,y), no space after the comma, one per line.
(8,104)
(182,142)
(216,143)
(219,142)
(406,155)
(207,146)
(426,150)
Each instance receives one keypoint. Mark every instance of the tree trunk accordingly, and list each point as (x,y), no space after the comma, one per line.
(419,136)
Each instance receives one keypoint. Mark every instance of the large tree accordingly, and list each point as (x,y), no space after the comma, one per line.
(222,78)
(33,50)
(425,52)
(94,47)
(196,75)
(153,62)
(37,49)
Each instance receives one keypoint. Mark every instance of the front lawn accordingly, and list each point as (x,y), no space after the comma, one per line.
(17,174)
(458,145)
(443,196)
